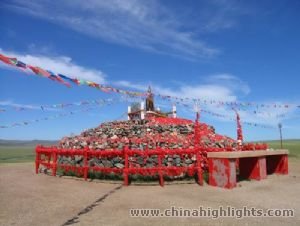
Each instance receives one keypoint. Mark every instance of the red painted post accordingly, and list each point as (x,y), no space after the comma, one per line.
(125,170)
(283,167)
(240,137)
(222,172)
(54,163)
(277,164)
(253,168)
(85,172)
(196,131)
(49,155)
(37,158)
(197,150)
(199,169)
(160,171)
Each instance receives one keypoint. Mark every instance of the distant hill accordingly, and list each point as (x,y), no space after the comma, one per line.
(27,142)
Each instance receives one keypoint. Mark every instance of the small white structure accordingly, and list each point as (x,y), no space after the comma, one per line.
(146,109)
(174,111)
(129,111)
(142,110)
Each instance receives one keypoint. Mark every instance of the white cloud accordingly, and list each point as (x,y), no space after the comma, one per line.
(234,83)
(263,116)
(206,91)
(147,25)
(16,105)
(9,103)
(271,116)
(131,85)
(223,15)
(212,88)
(61,64)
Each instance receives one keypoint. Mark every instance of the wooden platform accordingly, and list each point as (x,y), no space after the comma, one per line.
(246,154)
(250,164)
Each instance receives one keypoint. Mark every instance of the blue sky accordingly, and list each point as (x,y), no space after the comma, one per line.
(221,49)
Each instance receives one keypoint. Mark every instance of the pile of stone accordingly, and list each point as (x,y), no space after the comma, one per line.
(143,135)
(136,161)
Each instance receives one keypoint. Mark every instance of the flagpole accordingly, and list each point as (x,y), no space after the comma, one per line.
(280,132)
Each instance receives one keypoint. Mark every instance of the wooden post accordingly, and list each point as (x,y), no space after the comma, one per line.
(37,158)
(160,171)
(199,168)
(85,166)
(125,170)
(240,137)
(197,149)
(253,168)
(54,163)
(222,172)
(277,164)
(280,131)
(49,155)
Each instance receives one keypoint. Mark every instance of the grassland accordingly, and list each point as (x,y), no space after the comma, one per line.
(19,151)
(16,153)
(292,145)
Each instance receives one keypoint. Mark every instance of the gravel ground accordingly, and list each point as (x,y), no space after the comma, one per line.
(30,199)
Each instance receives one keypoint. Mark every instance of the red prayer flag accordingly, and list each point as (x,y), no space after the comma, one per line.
(5,59)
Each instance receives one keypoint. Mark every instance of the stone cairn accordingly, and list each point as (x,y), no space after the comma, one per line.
(143,135)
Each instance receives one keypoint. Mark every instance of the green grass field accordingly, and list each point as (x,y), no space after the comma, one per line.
(292,145)
(16,154)
(25,153)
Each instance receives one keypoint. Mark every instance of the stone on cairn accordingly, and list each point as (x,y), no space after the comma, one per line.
(143,135)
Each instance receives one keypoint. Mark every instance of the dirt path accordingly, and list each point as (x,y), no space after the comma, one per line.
(30,199)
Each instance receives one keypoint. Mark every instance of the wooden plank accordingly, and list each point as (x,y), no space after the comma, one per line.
(246,154)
